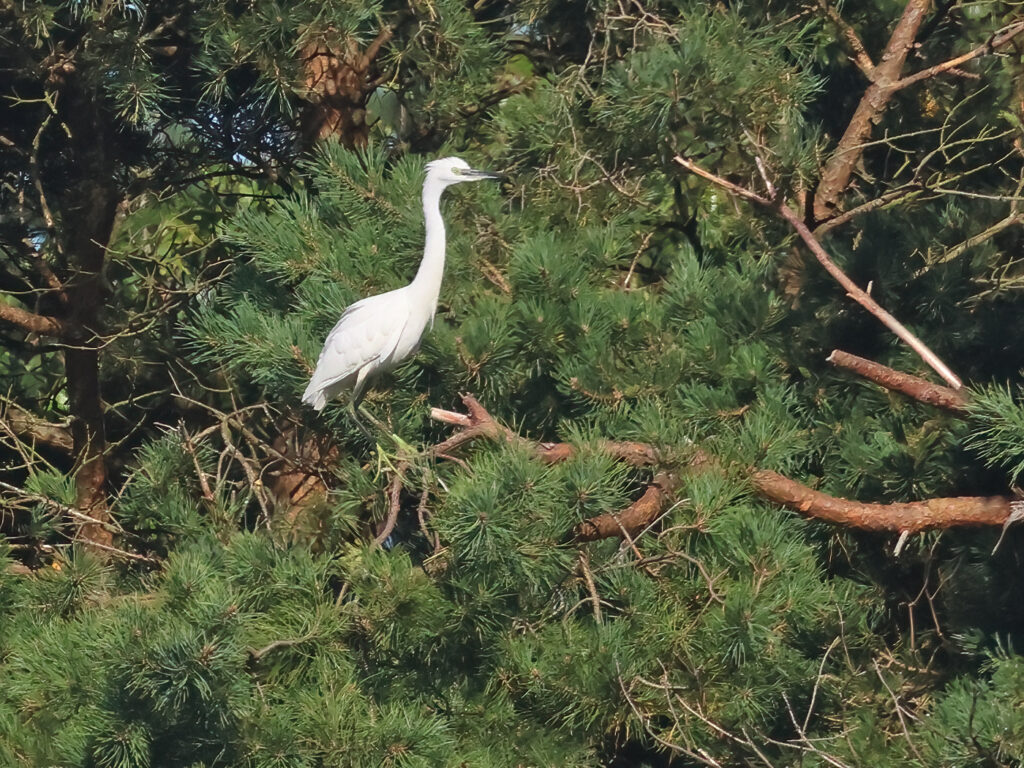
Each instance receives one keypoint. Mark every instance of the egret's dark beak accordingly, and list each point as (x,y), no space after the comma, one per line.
(475,174)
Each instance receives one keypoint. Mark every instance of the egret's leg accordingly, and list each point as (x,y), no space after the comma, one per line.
(359,414)
(353,411)
(357,397)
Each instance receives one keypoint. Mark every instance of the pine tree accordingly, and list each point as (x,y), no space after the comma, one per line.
(666,526)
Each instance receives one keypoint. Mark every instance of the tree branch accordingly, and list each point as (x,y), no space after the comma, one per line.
(902,517)
(911,386)
(909,517)
(839,168)
(882,200)
(30,321)
(998,40)
(636,516)
(26,424)
(743,192)
(865,300)
(860,54)
(1015,217)
(373,48)
(852,289)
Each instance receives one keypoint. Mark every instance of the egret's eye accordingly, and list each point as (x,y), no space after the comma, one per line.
(456,170)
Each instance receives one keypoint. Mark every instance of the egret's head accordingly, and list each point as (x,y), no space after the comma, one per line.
(454,170)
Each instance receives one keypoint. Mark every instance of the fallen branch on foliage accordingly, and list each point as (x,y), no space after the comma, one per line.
(899,517)
(917,388)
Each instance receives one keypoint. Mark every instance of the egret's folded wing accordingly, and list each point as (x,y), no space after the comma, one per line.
(365,334)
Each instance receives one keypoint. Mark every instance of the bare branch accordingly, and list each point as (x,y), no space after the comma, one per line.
(394,499)
(912,386)
(860,54)
(913,516)
(865,300)
(743,192)
(852,289)
(998,40)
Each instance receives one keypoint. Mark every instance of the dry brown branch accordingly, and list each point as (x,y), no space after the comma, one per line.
(588,576)
(898,517)
(998,40)
(636,516)
(743,192)
(394,504)
(911,386)
(852,289)
(30,321)
(912,517)
(853,41)
(865,300)
(837,171)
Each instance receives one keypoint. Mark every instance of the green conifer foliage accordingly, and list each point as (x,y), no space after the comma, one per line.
(408,606)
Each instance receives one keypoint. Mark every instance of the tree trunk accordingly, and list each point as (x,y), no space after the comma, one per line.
(89,207)
(338,79)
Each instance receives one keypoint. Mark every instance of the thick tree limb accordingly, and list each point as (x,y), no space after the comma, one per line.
(636,516)
(30,321)
(852,289)
(338,83)
(88,215)
(909,517)
(839,168)
(912,386)
(27,425)
(900,517)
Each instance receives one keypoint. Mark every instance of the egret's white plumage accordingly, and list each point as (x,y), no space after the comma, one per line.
(377,333)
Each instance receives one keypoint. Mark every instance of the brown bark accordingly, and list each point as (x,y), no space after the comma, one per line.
(292,481)
(338,83)
(634,518)
(912,386)
(89,206)
(29,321)
(27,425)
(884,82)
(909,517)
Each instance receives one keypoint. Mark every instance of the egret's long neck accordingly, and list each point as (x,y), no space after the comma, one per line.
(428,278)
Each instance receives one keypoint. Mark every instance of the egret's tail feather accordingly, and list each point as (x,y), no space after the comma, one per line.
(315,397)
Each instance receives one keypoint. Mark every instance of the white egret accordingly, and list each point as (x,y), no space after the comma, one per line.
(377,333)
